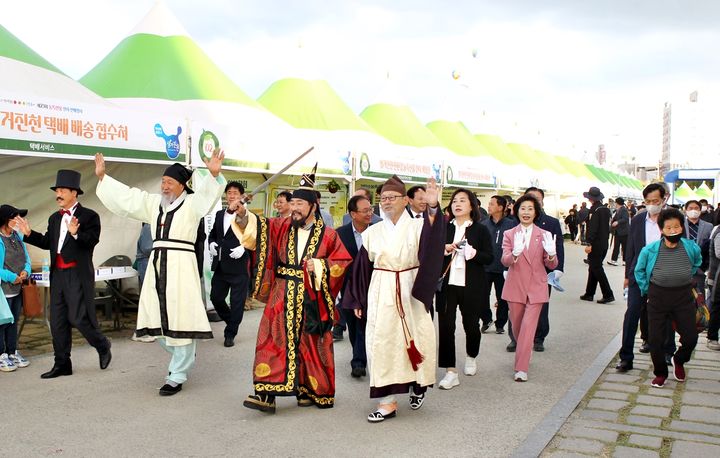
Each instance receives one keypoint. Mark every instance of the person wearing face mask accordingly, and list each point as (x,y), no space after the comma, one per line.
(527,252)
(664,273)
(705,212)
(699,232)
(643,231)
(171,306)
(468,250)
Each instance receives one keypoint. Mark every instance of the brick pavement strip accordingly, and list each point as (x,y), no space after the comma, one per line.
(599,415)
(581,445)
(631,452)
(693,427)
(606,404)
(703,374)
(611,395)
(653,411)
(653,422)
(704,414)
(619,387)
(648,431)
(683,449)
(703,385)
(622,378)
(645,441)
(587,433)
(654,400)
(702,399)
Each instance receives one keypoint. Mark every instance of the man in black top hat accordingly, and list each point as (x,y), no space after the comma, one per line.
(71,237)
(598,233)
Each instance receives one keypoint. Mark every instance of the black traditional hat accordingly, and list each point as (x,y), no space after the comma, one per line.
(394,183)
(69,179)
(181,174)
(306,189)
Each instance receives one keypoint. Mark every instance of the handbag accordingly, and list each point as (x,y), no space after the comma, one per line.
(6,315)
(441,280)
(702,314)
(32,306)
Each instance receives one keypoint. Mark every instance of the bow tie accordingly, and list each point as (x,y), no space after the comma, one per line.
(64,212)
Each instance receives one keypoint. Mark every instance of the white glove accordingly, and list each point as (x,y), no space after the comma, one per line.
(237,252)
(469,252)
(548,244)
(505,274)
(518,243)
(558,274)
(212,248)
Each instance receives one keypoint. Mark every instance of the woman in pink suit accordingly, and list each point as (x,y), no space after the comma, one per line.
(527,251)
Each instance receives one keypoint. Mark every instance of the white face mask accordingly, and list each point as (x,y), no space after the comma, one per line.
(693,214)
(653,209)
(703,208)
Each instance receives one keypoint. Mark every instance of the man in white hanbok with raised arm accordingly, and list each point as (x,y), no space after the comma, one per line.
(392,286)
(171,306)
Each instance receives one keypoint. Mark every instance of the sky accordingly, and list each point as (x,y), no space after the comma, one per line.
(561,75)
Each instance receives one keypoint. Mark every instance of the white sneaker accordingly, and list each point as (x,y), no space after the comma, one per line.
(470,366)
(145,339)
(520,376)
(612,263)
(449,381)
(6,365)
(19,360)
(713,345)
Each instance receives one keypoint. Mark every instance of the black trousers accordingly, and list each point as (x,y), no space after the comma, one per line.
(667,305)
(714,305)
(356,334)
(497,281)
(237,285)
(454,298)
(543,325)
(620,241)
(596,274)
(67,311)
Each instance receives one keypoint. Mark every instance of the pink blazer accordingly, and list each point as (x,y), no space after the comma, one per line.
(526,281)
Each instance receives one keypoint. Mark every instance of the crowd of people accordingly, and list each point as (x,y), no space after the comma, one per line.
(389,275)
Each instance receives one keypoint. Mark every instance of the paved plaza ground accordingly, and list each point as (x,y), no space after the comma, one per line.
(117,412)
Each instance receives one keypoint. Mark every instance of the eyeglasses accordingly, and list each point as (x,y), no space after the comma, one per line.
(390,198)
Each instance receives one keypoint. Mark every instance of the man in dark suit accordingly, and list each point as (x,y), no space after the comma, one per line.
(361,212)
(551,225)
(71,237)
(365,192)
(598,231)
(416,201)
(644,230)
(230,264)
(621,227)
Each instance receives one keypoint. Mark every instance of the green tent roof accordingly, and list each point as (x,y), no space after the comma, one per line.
(399,125)
(12,48)
(552,163)
(527,156)
(456,137)
(310,104)
(162,67)
(498,148)
(575,168)
(597,173)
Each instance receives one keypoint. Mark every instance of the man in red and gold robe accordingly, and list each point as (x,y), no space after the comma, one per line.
(301,265)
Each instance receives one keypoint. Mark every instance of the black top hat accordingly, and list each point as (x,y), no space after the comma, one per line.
(593,194)
(8,212)
(180,173)
(68,179)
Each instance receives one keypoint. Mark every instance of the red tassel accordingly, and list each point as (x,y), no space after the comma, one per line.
(415,356)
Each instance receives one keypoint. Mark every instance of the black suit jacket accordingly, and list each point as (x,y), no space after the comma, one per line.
(79,250)
(345,232)
(478,236)
(635,243)
(226,242)
(552,225)
(598,230)
(622,217)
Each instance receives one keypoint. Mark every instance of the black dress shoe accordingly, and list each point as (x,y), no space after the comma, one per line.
(169,390)
(57,371)
(538,346)
(358,372)
(213,316)
(229,342)
(105,358)
(484,328)
(337,333)
(644,347)
(499,330)
(586,297)
(606,300)
(623,366)
(511,347)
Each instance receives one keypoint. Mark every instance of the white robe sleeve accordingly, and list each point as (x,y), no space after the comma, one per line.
(126,201)
(208,190)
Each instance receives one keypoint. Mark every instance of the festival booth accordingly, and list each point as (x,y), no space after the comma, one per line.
(515,174)
(341,139)
(49,122)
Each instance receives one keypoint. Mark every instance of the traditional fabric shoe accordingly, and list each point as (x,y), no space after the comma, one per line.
(470,366)
(169,390)
(304,401)
(713,345)
(261,402)
(658,382)
(678,370)
(449,381)
(520,376)
(644,347)
(19,360)
(144,339)
(6,364)
(416,400)
(377,416)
